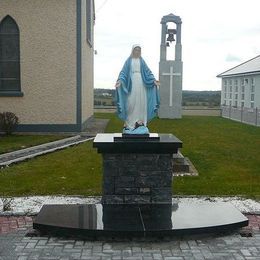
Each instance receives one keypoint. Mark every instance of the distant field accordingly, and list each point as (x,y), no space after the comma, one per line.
(108,101)
(104,97)
(103,101)
(186,111)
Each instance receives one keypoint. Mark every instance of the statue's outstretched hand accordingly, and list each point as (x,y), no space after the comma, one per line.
(157,83)
(118,84)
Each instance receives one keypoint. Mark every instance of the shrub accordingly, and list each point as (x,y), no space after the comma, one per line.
(8,122)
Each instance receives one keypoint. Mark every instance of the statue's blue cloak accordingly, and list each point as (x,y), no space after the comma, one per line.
(153,99)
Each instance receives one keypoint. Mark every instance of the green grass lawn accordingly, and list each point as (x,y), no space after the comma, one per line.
(15,142)
(225,153)
(75,170)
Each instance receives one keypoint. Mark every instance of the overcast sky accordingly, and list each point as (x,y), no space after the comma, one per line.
(216,35)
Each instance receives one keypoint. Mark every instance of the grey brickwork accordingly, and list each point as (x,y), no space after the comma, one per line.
(15,246)
(137,178)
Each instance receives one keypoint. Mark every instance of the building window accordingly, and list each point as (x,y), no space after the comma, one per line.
(230,95)
(252,97)
(242,104)
(225,88)
(9,56)
(230,88)
(242,89)
(242,82)
(225,82)
(225,95)
(246,81)
(236,82)
(242,96)
(252,88)
(252,104)
(230,103)
(235,103)
(236,96)
(90,21)
(252,81)
(230,82)
(236,89)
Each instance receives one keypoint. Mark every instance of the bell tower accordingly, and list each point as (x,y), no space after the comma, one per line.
(170,70)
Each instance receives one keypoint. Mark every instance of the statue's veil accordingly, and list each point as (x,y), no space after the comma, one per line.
(134,46)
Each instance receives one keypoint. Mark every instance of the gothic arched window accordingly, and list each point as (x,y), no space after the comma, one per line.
(9,56)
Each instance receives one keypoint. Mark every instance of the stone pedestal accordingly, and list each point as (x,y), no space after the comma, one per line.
(137,178)
(137,170)
(137,197)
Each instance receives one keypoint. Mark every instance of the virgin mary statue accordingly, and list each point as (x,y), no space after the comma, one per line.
(137,94)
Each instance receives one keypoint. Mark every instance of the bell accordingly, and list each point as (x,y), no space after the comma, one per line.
(170,37)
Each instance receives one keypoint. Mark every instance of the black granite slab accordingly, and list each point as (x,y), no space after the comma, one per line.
(137,137)
(128,220)
(115,143)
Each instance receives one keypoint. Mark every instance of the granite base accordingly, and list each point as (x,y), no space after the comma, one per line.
(96,221)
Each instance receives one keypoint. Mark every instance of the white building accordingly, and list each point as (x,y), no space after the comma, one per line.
(241,85)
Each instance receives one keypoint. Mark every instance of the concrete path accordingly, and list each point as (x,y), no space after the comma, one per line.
(15,245)
(31,152)
(95,126)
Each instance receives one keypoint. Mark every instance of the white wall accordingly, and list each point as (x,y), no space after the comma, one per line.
(247,91)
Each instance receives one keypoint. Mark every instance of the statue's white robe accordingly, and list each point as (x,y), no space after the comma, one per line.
(137,99)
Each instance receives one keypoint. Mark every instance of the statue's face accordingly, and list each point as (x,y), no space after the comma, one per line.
(136,52)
